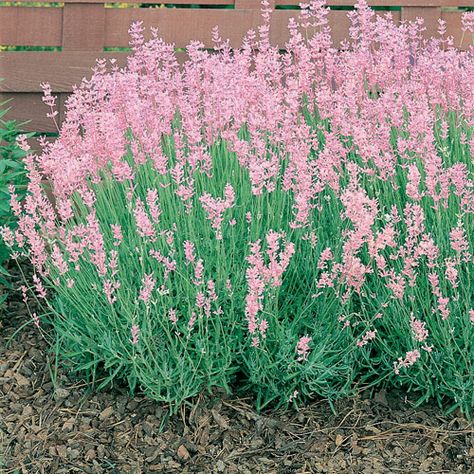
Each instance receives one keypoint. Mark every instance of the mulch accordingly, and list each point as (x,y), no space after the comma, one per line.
(50,423)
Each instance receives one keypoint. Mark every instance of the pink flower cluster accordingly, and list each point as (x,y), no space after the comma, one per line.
(261,274)
(215,208)
(410,358)
(302,348)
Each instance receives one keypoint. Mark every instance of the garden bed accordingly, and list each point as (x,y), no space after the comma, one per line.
(293,226)
(60,427)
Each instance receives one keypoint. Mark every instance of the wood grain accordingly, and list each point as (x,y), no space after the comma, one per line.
(24,26)
(83,27)
(24,71)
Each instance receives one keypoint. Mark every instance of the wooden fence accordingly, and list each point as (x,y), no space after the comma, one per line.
(76,32)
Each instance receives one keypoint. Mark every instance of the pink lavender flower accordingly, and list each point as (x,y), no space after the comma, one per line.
(410,358)
(199,272)
(215,207)
(459,242)
(192,321)
(172,316)
(7,235)
(144,224)
(148,284)
(413,185)
(451,272)
(24,294)
(117,234)
(293,396)
(366,338)
(397,285)
(135,331)
(36,320)
(113,262)
(211,290)
(443,307)
(467,21)
(109,289)
(419,329)
(189,252)
(153,205)
(40,291)
(302,347)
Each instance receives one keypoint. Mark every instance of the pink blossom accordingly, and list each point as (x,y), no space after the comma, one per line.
(459,242)
(191,321)
(419,329)
(410,358)
(153,205)
(368,336)
(326,256)
(293,396)
(443,307)
(397,285)
(135,331)
(302,347)
(117,234)
(7,236)
(148,284)
(144,224)
(189,252)
(40,291)
(215,207)
(451,272)
(109,288)
(199,272)
(172,316)
(36,320)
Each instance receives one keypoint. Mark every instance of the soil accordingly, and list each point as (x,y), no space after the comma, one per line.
(50,423)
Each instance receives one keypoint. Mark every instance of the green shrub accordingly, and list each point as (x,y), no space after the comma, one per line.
(12,178)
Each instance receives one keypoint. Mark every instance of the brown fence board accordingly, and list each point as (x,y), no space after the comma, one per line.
(24,26)
(61,70)
(83,27)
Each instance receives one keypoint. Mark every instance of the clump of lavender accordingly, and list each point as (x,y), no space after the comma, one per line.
(303,218)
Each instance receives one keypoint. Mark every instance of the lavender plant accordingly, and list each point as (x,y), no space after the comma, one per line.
(292,223)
